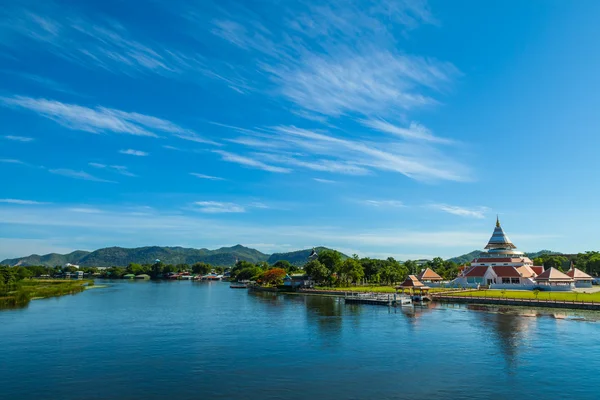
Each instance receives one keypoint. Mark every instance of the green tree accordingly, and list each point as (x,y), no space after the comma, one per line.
(23,273)
(250,273)
(352,270)
(201,268)
(331,259)
(135,269)
(555,261)
(283,264)
(317,271)
(411,266)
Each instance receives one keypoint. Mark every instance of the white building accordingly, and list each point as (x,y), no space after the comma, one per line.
(502,266)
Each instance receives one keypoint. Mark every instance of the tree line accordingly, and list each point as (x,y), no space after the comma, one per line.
(330,268)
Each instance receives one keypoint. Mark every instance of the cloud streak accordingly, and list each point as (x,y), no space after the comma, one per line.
(414,132)
(209,177)
(133,152)
(100,119)
(77,175)
(120,169)
(250,162)
(21,202)
(476,212)
(18,138)
(384,203)
(216,207)
(347,155)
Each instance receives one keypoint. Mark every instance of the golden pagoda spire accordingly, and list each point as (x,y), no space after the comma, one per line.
(497,221)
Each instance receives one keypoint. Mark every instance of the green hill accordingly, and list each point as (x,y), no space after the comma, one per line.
(120,256)
(50,260)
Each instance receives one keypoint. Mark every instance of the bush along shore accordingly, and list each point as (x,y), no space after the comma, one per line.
(16,294)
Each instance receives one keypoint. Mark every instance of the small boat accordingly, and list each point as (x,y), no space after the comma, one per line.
(238,285)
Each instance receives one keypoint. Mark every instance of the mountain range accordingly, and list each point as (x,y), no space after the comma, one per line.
(225,256)
(119,256)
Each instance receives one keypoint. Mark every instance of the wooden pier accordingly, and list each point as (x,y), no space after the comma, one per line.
(380,299)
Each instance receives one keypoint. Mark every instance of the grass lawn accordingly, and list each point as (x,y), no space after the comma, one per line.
(527,294)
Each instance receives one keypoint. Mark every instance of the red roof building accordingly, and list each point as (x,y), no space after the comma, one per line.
(502,264)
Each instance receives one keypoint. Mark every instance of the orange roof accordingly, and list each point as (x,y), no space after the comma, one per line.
(538,269)
(506,271)
(412,281)
(477,271)
(429,275)
(578,274)
(553,275)
(526,272)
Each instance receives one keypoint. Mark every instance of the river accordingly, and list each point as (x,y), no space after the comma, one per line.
(189,340)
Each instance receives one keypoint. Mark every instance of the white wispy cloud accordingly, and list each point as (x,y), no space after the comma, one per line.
(22,202)
(18,138)
(474,212)
(250,162)
(100,119)
(383,203)
(98,41)
(347,155)
(11,161)
(209,177)
(85,210)
(323,165)
(172,148)
(77,175)
(375,81)
(120,169)
(415,131)
(321,180)
(216,207)
(341,57)
(133,152)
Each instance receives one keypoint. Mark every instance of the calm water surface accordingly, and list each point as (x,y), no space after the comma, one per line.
(150,340)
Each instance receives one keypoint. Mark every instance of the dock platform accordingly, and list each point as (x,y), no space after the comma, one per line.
(380,299)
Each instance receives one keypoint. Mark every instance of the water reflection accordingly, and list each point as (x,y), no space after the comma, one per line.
(326,314)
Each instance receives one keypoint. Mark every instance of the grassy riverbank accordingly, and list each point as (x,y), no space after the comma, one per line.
(530,295)
(374,289)
(22,292)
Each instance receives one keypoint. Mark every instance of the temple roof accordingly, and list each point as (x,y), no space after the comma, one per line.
(412,281)
(553,275)
(429,274)
(578,274)
(499,240)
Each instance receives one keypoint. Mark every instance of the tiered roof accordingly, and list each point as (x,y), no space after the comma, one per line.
(499,240)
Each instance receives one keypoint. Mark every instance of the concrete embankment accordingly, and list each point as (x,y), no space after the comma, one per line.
(518,302)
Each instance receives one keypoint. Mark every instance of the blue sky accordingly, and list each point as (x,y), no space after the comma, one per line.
(383,128)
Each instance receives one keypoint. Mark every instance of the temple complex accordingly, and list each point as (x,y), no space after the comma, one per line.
(501,265)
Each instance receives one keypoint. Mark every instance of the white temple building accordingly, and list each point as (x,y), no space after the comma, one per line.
(501,267)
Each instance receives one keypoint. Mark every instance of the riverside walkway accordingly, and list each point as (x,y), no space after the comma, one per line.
(580,305)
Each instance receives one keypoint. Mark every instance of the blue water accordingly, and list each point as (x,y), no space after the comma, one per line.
(151,340)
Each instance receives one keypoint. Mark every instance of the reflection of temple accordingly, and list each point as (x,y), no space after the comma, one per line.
(510,331)
(502,264)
